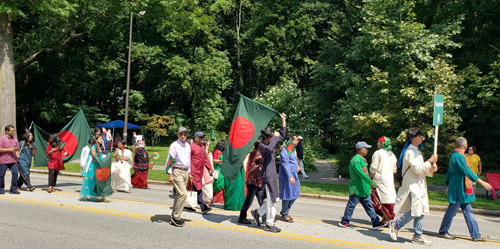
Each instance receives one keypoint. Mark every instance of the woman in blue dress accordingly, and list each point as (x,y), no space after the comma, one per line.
(25,156)
(89,183)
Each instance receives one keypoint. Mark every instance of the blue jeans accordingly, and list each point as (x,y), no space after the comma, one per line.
(417,222)
(468,215)
(14,169)
(251,192)
(367,205)
(286,205)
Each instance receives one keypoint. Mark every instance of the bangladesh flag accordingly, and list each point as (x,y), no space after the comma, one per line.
(250,118)
(75,135)
(212,135)
(170,162)
(102,169)
(290,147)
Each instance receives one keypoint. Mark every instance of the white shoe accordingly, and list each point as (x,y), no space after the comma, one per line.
(305,176)
(392,231)
(421,241)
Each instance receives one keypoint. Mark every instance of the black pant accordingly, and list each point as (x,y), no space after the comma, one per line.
(251,192)
(23,179)
(14,170)
(202,204)
(53,177)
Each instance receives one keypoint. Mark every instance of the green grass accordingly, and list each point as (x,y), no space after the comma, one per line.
(439,179)
(333,158)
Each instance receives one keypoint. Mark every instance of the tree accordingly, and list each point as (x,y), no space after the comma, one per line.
(157,125)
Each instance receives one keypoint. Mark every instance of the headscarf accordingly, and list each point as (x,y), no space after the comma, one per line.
(386,143)
(407,143)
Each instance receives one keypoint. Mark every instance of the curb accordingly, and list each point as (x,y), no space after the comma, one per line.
(324,197)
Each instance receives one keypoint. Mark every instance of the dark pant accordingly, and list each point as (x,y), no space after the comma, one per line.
(367,205)
(202,204)
(53,177)
(251,192)
(14,169)
(23,179)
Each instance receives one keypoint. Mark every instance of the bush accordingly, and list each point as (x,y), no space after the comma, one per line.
(344,159)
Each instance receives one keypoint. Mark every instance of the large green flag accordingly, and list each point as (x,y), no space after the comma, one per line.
(75,135)
(250,118)
(102,169)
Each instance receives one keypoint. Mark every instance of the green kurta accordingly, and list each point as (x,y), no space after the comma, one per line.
(360,184)
(218,183)
(234,193)
(455,180)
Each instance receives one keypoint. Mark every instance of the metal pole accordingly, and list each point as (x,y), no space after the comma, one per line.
(128,79)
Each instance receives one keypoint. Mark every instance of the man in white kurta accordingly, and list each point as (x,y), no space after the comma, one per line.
(412,197)
(383,168)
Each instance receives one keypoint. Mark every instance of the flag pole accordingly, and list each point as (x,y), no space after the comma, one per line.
(29,129)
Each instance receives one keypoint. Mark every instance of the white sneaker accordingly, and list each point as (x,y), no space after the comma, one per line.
(392,231)
(305,176)
(421,241)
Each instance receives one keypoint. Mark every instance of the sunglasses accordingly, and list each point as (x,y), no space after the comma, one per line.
(183,135)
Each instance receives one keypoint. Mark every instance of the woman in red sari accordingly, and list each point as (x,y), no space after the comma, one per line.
(55,153)
(141,166)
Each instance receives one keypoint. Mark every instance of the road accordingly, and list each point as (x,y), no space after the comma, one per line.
(137,220)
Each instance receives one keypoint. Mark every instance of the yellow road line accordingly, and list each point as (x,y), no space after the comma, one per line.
(436,235)
(197,223)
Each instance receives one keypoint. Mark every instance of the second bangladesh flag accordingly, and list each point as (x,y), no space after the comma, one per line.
(250,118)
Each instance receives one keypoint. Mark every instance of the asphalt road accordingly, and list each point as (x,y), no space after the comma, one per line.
(59,220)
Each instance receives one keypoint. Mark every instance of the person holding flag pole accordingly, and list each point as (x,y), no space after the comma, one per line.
(178,168)
(269,176)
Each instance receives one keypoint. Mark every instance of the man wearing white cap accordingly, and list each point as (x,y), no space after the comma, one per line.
(360,188)
(300,156)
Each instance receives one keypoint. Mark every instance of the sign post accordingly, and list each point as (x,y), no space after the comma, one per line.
(438,118)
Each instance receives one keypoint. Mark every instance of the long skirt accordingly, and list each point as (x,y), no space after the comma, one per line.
(120,176)
(218,189)
(140,179)
(89,183)
(381,208)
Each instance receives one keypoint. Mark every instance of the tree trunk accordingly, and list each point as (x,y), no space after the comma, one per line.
(7,77)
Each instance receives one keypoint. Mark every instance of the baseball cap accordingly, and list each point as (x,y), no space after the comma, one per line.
(199,134)
(181,129)
(300,137)
(362,144)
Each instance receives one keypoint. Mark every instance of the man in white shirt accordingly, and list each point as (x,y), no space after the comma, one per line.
(179,174)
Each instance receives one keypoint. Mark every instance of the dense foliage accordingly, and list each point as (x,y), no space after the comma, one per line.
(343,70)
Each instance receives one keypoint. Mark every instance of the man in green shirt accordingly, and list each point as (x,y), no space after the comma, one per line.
(360,188)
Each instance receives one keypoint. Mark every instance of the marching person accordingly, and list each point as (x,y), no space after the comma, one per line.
(360,188)
(8,159)
(121,179)
(300,157)
(383,168)
(28,148)
(218,183)
(141,166)
(179,174)
(289,183)
(269,176)
(254,182)
(460,192)
(55,154)
(208,189)
(198,163)
(89,186)
(412,198)
(85,158)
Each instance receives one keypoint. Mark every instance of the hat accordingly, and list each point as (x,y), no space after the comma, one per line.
(362,144)
(300,137)
(199,134)
(181,129)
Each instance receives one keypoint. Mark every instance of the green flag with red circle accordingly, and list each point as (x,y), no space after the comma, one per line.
(250,118)
(169,163)
(290,147)
(75,136)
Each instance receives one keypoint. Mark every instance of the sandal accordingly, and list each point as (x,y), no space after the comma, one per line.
(287,219)
(106,200)
(31,189)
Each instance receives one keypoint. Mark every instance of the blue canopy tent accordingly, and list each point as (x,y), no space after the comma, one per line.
(119,124)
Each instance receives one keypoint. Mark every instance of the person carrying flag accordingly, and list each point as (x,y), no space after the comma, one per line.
(288,177)
(269,176)
(179,173)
